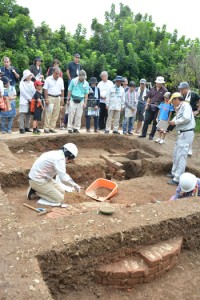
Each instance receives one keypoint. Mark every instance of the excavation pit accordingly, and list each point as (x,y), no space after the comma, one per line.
(56,258)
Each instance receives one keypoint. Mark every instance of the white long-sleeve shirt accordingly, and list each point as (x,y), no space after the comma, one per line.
(1,88)
(116,98)
(184,118)
(27,90)
(48,165)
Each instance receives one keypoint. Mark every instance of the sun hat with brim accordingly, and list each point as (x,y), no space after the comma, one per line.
(38,58)
(183,85)
(93,80)
(176,95)
(5,80)
(26,73)
(118,78)
(160,79)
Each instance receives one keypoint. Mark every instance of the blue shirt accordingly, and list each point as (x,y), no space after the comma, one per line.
(165,109)
(79,88)
(179,195)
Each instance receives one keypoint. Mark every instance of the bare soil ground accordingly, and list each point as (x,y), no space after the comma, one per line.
(18,154)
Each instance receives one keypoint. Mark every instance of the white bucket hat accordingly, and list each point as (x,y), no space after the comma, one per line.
(160,79)
(26,73)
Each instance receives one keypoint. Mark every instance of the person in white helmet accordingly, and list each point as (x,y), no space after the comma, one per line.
(45,168)
(189,186)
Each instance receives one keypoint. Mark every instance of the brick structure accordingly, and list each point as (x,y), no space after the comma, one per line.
(115,169)
(148,263)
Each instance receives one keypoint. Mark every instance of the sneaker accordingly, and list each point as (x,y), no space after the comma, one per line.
(172,182)
(38,130)
(150,137)
(9,131)
(88,130)
(161,142)
(106,131)
(76,131)
(170,175)
(157,140)
(125,133)
(62,128)
(116,132)
(130,133)
(96,130)
(28,130)
(142,136)
(22,131)
(3,132)
(30,193)
(46,130)
(70,131)
(52,131)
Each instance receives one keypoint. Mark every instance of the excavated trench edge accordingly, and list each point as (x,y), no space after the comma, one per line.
(72,267)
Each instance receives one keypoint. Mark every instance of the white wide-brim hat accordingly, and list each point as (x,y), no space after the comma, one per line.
(26,73)
(160,79)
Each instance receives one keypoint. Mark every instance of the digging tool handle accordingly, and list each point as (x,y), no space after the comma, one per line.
(31,207)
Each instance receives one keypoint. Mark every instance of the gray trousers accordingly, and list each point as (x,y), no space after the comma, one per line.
(182,146)
(24,119)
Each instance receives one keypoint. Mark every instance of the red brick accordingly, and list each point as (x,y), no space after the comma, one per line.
(165,263)
(174,260)
(136,267)
(151,257)
(120,173)
(149,278)
(113,281)
(133,281)
(153,270)
(169,248)
(123,281)
(118,165)
(160,273)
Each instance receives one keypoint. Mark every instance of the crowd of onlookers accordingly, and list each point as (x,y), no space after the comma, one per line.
(111,104)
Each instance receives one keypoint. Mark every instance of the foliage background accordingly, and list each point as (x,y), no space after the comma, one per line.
(126,44)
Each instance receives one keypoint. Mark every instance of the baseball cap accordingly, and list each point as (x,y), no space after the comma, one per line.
(38,82)
(167,95)
(183,85)
(77,55)
(143,81)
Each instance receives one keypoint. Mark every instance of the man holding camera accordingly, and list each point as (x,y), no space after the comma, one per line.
(9,71)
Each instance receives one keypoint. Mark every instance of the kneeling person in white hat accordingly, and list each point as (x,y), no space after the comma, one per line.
(189,186)
(45,168)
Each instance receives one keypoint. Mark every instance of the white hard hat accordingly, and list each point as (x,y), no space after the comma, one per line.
(71,148)
(187,182)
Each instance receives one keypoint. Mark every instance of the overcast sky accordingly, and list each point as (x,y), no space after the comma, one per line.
(179,15)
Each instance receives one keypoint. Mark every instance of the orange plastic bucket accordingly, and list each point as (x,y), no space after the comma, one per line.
(110,186)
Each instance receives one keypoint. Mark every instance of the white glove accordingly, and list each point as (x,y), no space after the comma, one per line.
(77,188)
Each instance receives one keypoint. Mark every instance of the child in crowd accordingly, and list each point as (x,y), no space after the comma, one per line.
(92,108)
(131,101)
(164,115)
(64,110)
(37,106)
(8,115)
